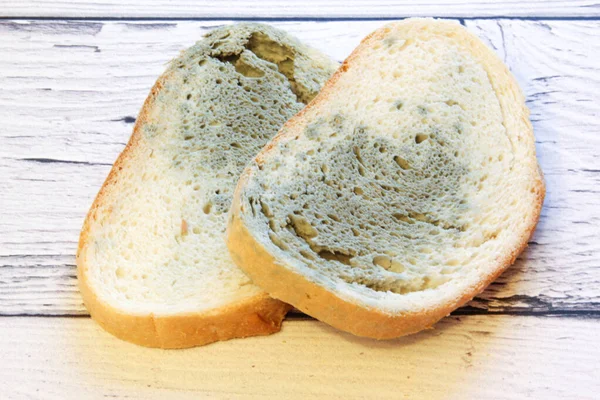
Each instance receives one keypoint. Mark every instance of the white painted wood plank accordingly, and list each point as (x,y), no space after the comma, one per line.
(297,9)
(70,91)
(557,65)
(476,357)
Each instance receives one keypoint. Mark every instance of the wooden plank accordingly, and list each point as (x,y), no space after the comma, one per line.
(463,358)
(71,90)
(561,81)
(298,9)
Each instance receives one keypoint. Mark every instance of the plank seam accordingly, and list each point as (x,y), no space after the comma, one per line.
(465,311)
(296,19)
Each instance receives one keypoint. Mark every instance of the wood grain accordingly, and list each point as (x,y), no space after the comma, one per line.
(71,91)
(298,9)
(464,358)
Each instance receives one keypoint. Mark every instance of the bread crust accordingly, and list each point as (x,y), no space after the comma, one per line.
(283,283)
(257,315)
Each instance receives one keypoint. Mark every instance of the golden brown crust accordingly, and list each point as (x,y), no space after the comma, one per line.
(291,287)
(258,315)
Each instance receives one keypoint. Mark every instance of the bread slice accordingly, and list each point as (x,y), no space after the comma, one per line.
(152,263)
(400,192)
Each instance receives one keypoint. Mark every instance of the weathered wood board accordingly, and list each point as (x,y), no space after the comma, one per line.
(71,91)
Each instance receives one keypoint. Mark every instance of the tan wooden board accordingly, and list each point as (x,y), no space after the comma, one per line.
(468,357)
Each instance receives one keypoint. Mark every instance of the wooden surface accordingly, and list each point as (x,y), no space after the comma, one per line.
(185,9)
(70,90)
(468,357)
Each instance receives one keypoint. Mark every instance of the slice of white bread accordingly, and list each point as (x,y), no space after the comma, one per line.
(153,266)
(400,192)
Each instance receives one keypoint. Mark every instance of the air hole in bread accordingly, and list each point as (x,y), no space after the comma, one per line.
(421,137)
(307,254)
(334,217)
(332,255)
(302,227)
(402,163)
(277,242)
(382,261)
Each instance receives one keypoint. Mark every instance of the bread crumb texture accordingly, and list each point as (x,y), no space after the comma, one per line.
(409,180)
